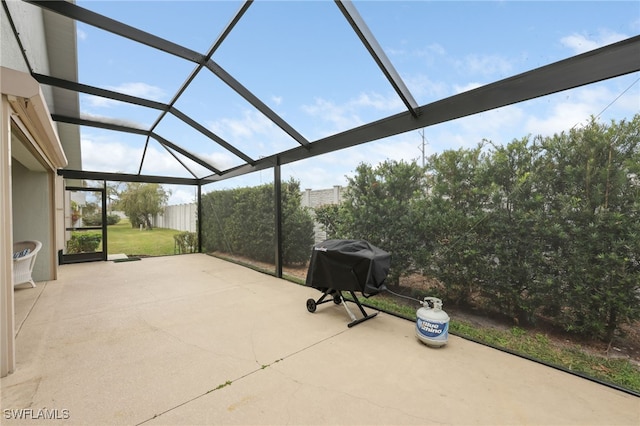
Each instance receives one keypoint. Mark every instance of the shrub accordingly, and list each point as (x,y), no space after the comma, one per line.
(113,219)
(83,242)
(92,219)
(95,219)
(186,242)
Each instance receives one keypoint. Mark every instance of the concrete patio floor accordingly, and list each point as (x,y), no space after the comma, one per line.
(192,339)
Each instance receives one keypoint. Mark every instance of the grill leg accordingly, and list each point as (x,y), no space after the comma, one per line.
(365,316)
(344,303)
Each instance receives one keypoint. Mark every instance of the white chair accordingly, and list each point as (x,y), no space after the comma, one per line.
(24,257)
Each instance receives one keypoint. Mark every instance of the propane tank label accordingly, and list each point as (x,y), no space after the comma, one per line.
(433,329)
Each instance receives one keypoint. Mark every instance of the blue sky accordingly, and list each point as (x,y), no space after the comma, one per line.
(304,61)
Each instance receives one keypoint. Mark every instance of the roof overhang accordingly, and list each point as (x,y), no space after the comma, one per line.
(63,62)
(30,110)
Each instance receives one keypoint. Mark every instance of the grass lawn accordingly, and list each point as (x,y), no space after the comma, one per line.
(122,238)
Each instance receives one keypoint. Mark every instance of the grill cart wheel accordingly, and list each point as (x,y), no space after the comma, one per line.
(337,299)
(311,305)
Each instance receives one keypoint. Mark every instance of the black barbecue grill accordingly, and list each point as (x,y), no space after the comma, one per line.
(350,266)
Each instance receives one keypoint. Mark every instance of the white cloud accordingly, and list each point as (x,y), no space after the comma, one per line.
(315,173)
(161,162)
(429,51)
(469,86)
(422,87)
(331,169)
(251,124)
(277,100)
(485,65)
(581,43)
(405,147)
(100,154)
(109,154)
(376,101)
(575,107)
(140,89)
(543,116)
(181,194)
(97,101)
(395,52)
(220,160)
(500,125)
(81,34)
(252,133)
(436,48)
(341,117)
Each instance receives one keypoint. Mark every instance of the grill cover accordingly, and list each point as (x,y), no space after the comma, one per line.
(349,265)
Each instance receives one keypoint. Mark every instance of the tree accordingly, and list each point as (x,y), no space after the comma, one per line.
(592,213)
(514,248)
(297,224)
(452,222)
(380,207)
(113,195)
(141,201)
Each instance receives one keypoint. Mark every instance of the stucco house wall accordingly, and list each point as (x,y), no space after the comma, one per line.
(31,151)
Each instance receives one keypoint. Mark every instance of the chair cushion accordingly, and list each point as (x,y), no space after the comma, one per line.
(19,254)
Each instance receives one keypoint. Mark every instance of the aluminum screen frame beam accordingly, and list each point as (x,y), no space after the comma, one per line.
(375,50)
(97,91)
(99,124)
(181,150)
(225,32)
(173,154)
(591,67)
(78,13)
(128,129)
(126,177)
(208,133)
(117,96)
(608,62)
(256,102)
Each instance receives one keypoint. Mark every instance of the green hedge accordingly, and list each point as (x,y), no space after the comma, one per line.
(242,222)
(543,229)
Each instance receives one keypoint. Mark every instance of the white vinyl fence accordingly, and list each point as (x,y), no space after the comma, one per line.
(182,217)
(317,198)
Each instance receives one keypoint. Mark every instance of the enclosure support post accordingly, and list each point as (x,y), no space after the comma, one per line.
(105,223)
(199,218)
(277,186)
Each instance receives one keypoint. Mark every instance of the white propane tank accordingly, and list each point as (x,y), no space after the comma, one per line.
(432,324)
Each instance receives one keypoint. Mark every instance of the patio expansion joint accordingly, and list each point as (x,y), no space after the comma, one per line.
(35,302)
(244,376)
